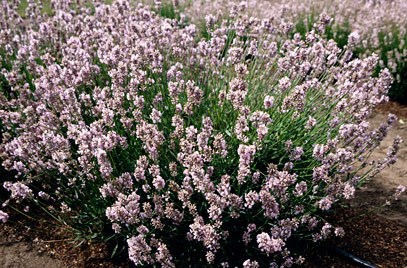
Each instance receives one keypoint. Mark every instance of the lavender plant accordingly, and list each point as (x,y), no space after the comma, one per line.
(376,26)
(218,152)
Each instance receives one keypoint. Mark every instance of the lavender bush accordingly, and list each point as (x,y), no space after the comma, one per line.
(221,151)
(374,26)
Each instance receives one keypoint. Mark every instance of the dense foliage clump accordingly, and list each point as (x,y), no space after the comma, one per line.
(131,127)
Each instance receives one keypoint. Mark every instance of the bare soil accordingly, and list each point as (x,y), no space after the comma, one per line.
(374,233)
(382,187)
(23,255)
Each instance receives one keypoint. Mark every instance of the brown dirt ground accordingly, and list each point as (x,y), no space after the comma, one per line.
(20,254)
(374,233)
(46,246)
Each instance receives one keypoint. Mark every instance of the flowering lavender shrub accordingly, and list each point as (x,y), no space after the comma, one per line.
(373,26)
(222,151)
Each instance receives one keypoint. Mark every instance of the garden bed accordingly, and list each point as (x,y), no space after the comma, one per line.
(378,240)
(374,233)
(154,142)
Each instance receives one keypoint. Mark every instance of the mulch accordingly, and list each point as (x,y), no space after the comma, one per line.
(374,239)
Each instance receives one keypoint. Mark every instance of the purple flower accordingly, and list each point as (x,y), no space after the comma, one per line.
(3,216)
(269,245)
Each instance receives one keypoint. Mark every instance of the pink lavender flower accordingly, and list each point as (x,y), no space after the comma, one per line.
(155,116)
(163,256)
(339,231)
(326,230)
(310,123)
(246,153)
(353,38)
(268,102)
(18,190)
(158,183)
(3,216)
(399,191)
(300,188)
(139,250)
(269,245)
(325,203)
(251,198)
(250,264)
(269,204)
(284,84)
(319,151)
(296,154)
(348,191)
